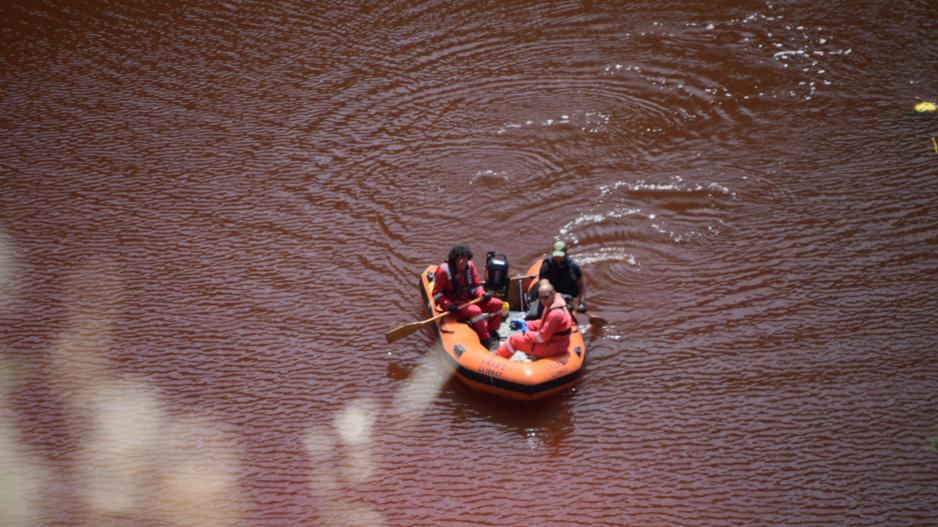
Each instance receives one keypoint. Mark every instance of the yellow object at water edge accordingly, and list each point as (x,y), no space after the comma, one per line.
(926,106)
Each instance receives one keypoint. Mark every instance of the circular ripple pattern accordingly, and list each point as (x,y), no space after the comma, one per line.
(211,214)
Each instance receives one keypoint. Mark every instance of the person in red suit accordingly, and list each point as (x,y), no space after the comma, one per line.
(549,335)
(456,282)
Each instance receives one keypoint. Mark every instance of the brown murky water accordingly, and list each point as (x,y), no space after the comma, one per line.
(211,213)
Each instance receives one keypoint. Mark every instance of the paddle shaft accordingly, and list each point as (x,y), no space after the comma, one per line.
(412,327)
(594,319)
(443,314)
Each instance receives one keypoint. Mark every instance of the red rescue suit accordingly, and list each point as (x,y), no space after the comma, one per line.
(549,335)
(447,291)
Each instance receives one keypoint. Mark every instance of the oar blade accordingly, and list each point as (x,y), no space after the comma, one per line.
(402,331)
(596,320)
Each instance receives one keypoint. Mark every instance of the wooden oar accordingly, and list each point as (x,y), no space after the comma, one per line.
(594,320)
(402,331)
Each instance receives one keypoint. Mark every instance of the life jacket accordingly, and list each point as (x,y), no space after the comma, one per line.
(453,287)
(568,318)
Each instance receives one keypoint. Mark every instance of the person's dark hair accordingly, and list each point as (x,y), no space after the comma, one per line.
(455,253)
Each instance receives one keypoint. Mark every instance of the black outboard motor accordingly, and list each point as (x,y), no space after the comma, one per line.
(496,274)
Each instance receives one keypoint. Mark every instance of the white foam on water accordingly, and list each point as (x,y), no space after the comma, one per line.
(22,476)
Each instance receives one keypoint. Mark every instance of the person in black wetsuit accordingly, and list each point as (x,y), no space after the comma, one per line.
(566,277)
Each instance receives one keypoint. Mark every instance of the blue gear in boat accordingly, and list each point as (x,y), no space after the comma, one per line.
(517,324)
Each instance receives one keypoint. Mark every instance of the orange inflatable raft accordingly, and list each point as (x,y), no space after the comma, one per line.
(526,379)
